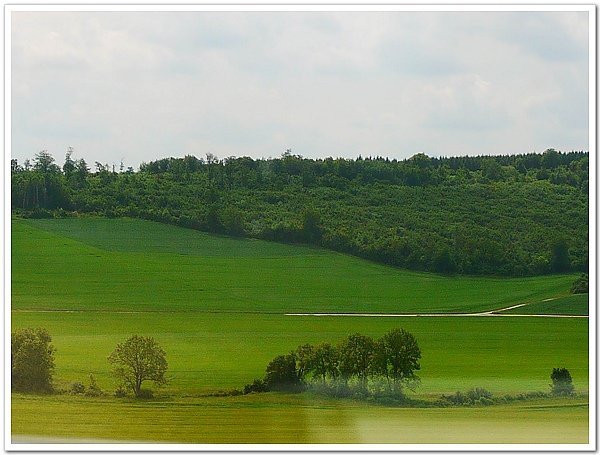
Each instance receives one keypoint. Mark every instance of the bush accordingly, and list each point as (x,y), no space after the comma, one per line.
(93,389)
(145,394)
(477,393)
(336,389)
(282,374)
(120,392)
(562,382)
(31,360)
(257,386)
(77,388)
(484,401)
(581,285)
(476,396)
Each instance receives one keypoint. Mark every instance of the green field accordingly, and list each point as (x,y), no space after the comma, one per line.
(577,304)
(102,264)
(217,306)
(208,352)
(279,418)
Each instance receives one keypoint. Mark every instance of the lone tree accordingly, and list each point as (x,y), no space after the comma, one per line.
(139,359)
(31,360)
(562,383)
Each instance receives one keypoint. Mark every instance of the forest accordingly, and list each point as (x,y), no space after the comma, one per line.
(510,215)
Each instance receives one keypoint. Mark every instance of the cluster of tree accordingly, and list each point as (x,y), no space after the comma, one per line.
(506,215)
(581,284)
(358,364)
(136,360)
(31,360)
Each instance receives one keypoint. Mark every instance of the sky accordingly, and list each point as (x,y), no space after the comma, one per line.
(140,86)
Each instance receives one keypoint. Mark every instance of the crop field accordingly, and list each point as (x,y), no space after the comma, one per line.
(103,264)
(208,352)
(577,304)
(218,306)
(285,418)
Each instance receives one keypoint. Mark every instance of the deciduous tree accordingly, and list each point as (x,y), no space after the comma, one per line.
(139,359)
(31,360)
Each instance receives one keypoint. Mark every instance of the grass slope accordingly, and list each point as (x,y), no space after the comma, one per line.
(577,304)
(208,352)
(277,418)
(216,306)
(104,265)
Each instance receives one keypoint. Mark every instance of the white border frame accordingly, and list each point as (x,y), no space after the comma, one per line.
(592,443)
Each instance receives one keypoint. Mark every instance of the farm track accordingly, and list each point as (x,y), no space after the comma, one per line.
(498,312)
(491,313)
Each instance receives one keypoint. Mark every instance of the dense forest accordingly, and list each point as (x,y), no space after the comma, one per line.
(495,215)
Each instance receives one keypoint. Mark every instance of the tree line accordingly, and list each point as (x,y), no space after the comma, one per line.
(357,365)
(136,360)
(503,215)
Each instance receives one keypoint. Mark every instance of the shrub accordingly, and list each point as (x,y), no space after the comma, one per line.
(257,386)
(93,389)
(477,393)
(31,360)
(562,382)
(145,394)
(476,396)
(120,392)
(581,285)
(485,401)
(77,388)
(282,374)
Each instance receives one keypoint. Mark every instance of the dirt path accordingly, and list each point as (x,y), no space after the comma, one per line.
(498,312)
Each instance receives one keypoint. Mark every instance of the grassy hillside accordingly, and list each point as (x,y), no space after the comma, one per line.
(514,215)
(570,304)
(219,299)
(208,351)
(294,419)
(217,306)
(124,264)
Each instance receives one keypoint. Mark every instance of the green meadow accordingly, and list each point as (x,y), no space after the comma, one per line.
(123,264)
(219,305)
(215,351)
(289,419)
(577,304)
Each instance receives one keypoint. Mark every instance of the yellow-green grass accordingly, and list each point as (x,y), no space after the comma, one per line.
(278,418)
(208,352)
(577,304)
(101,264)
(217,307)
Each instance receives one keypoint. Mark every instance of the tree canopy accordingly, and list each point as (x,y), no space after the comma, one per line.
(357,361)
(139,359)
(490,215)
(31,360)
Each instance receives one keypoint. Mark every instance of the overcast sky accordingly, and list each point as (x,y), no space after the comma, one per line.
(141,86)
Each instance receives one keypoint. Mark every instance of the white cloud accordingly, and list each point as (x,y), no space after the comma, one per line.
(147,85)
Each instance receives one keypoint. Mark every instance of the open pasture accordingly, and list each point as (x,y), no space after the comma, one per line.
(208,352)
(106,265)
(217,306)
(284,418)
(571,304)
